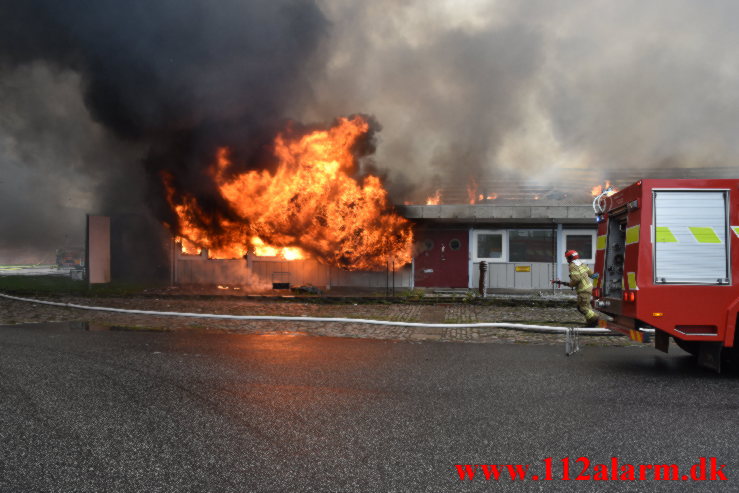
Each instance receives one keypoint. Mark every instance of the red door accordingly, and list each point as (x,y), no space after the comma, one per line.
(443,259)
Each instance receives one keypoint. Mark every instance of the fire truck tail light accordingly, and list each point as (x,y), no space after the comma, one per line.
(632,296)
(626,296)
(658,314)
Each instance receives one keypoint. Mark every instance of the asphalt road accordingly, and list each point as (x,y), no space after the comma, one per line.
(183,411)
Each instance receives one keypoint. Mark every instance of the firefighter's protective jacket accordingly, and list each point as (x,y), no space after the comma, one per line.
(580,277)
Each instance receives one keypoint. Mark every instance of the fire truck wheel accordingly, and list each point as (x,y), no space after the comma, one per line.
(691,347)
(731,357)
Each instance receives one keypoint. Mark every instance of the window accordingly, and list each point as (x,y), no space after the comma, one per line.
(531,245)
(582,242)
(489,246)
(455,244)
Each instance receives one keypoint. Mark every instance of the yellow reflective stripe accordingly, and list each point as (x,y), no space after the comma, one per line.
(631,276)
(632,235)
(664,235)
(704,235)
(600,243)
(623,285)
(735,229)
(595,282)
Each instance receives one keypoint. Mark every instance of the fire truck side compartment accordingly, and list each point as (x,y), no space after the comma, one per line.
(679,262)
(615,256)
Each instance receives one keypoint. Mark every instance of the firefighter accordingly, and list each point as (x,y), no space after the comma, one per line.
(580,279)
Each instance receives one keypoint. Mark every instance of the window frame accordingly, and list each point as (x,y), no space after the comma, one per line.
(580,232)
(504,245)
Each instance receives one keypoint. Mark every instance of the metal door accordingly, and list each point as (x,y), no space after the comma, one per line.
(443,259)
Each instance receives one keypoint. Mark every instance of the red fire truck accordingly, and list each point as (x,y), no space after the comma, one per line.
(668,259)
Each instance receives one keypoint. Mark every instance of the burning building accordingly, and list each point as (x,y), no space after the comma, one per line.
(520,230)
(314,218)
(311,222)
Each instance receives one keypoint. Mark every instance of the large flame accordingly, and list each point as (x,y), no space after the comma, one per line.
(310,206)
(598,189)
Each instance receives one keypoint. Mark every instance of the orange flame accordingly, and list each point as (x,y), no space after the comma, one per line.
(288,253)
(598,189)
(435,199)
(472,192)
(309,207)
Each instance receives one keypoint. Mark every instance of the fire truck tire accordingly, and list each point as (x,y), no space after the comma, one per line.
(731,357)
(691,347)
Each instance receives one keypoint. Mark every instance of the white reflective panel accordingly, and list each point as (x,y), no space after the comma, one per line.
(685,255)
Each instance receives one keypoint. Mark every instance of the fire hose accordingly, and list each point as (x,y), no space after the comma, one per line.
(502,325)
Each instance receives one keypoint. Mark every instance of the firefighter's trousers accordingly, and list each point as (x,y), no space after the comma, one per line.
(583,306)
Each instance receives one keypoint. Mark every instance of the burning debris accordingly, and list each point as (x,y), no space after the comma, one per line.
(472,191)
(435,199)
(309,206)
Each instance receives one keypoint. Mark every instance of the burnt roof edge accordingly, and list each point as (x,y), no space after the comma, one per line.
(477,213)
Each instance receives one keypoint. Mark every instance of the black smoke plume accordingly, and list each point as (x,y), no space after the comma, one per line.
(97,97)
(107,85)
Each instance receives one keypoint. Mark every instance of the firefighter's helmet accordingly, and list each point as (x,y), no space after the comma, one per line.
(571,255)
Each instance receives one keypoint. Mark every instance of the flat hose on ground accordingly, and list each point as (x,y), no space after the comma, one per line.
(522,327)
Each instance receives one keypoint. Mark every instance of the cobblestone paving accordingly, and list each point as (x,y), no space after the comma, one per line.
(12,312)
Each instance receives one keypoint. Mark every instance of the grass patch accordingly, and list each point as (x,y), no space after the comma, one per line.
(63,285)
(139,328)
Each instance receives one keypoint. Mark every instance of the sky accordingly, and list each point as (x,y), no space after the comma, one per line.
(96,98)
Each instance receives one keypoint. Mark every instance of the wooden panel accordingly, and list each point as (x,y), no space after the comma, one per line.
(98,249)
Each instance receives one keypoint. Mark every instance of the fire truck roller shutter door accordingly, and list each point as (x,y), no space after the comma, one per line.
(690,229)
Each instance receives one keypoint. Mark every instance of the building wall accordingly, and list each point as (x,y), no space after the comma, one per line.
(261,272)
(503,275)
(524,256)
